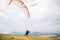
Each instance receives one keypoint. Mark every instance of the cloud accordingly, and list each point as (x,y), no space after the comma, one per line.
(45,17)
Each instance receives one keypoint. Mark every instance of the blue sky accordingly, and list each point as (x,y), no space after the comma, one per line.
(45,16)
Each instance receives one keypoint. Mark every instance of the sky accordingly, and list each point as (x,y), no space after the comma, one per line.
(44,16)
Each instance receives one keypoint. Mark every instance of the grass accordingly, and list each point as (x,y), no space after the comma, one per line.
(22,37)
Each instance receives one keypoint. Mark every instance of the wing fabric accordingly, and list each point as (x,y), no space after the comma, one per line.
(23,6)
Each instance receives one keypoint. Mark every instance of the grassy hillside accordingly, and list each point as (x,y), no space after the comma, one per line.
(21,37)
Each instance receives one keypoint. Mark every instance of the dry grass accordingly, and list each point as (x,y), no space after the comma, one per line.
(22,37)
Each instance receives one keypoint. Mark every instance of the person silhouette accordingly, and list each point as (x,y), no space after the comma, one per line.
(27,32)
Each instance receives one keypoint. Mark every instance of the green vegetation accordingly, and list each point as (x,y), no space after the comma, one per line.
(22,37)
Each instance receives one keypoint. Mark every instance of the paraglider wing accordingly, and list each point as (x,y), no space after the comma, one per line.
(10,2)
(23,6)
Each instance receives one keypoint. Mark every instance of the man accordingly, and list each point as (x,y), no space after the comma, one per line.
(27,32)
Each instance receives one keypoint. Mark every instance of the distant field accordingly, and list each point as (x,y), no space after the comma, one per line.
(22,37)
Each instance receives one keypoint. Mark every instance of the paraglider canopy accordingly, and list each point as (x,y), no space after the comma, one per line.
(22,5)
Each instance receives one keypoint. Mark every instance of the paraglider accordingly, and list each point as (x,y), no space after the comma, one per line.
(22,5)
(25,9)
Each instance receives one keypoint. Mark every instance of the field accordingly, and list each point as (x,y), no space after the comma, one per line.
(22,37)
